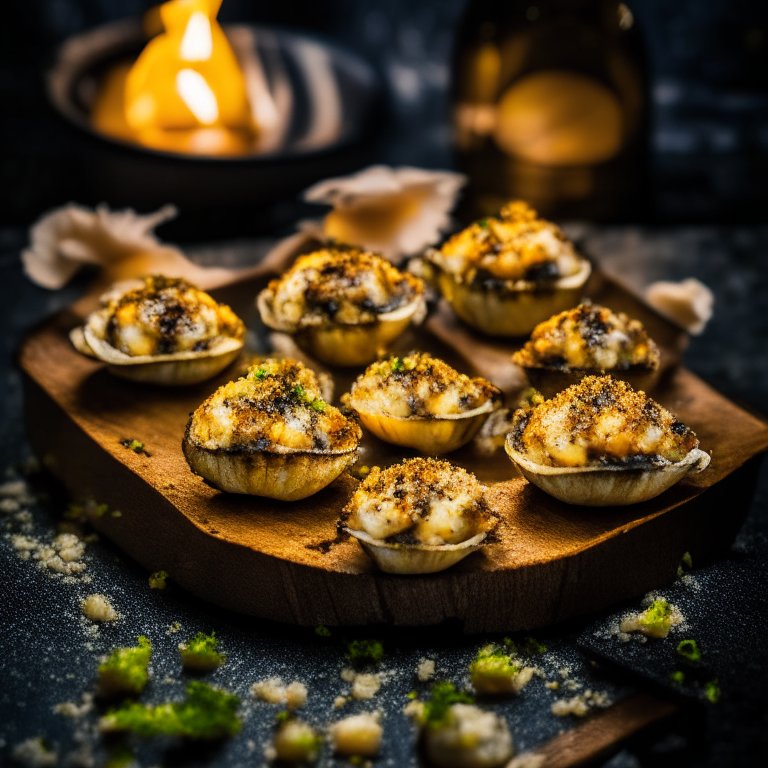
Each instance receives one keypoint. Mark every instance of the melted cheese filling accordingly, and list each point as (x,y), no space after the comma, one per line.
(165,316)
(422,501)
(347,287)
(599,421)
(589,337)
(277,405)
(516,247)
(418,385)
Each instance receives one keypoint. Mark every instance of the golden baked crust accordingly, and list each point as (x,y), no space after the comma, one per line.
(276,406)
(421,501)
(600,421)
(514,247)
(346,286)
(589,337)
(418,385)
(165,315)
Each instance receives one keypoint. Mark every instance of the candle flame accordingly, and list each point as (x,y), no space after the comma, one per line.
(186,81)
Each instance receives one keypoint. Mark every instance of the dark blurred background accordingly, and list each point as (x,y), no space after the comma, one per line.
(708,68)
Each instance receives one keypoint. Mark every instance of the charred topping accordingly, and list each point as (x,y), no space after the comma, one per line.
(589,337)
(604,421)
(343,285)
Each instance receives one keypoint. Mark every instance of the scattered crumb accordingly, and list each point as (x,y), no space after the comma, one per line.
(98,608)
(339,701)
(71,709)
(691,582)
(62,556)
(366,686)
(580,705)
(414,710)
(348,675)
(527,760)
(426,670)
(272,690)
(357,735)
(174,628)
(33,753)
(157,580)
(553,686)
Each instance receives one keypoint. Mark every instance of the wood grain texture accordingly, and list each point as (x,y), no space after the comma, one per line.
(598,736)
(277,560)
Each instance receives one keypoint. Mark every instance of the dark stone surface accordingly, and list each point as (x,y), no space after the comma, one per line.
(49,657)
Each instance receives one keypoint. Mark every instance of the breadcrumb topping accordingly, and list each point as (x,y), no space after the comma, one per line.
(515,246)
(276,405)
(601,421)
(418,385)
(421,501)
(348,286)
(589,337)
(163,316)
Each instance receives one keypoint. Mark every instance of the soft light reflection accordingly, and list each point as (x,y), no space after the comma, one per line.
(198,96)
(197,43)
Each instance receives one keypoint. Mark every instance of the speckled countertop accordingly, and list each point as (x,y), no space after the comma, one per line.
(49,652)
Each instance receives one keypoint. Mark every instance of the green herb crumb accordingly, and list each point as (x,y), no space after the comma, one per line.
(157,579)
(689,649)
(412,695)
(281,717)
(677,677)
(712,691)
(136,446)
(483,224)
(361,652)
(200,652)
(317,403)
(655,620)
(443,696)
(688,561)
(322,631)
(206,713)
(125,670)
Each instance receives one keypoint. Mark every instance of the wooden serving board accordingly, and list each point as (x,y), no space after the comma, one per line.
(282,561)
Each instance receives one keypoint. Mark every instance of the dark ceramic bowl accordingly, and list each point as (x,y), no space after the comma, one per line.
(326,100)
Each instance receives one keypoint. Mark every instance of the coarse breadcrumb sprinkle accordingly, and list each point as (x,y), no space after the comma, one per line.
(163,316)
(278,404)
(600,421)
(348,286)
(421,501)
(515,246)
(419,385)
(588,337)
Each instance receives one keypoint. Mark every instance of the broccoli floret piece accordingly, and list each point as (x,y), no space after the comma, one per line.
(712,691)
(494,671)
(444,695)
(125,671)
(206,713)
(157,579)
(200,652)
(677,677)
(656,619)
(322,631)
(689,649)
(361,652)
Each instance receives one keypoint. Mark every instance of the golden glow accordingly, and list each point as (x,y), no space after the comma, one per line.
(185,92)
(558,118)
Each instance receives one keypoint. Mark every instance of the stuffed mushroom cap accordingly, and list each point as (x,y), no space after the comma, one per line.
(278,407)
(515,247)
(340,286)
(419,502)
(589,337)
(164,316)
(419,385)
(600,421)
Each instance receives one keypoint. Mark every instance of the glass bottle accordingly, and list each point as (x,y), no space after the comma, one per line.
(551,106)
